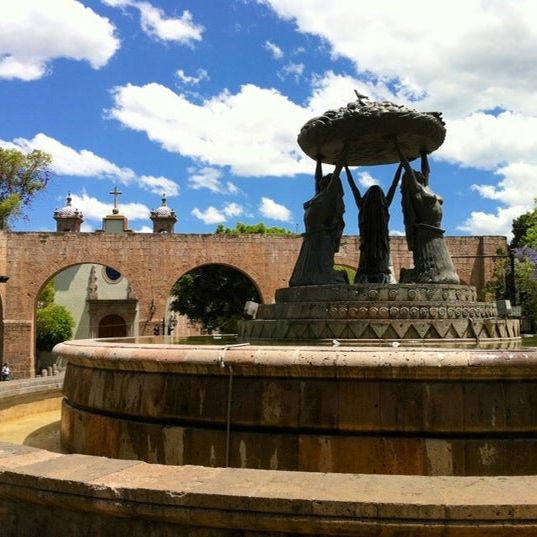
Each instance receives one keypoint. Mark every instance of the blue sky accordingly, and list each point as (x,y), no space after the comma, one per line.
(203,100)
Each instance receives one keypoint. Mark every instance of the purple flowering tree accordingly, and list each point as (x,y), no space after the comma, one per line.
(526,276)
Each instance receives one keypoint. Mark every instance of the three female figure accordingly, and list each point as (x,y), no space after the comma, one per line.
(323,222)
(422,212)
(373,218)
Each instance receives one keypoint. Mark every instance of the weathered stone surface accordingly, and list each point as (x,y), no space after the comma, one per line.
(369,127)
(110,498)
(335,409)
(376,312)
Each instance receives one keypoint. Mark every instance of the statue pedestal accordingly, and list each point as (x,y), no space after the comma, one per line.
(379,313)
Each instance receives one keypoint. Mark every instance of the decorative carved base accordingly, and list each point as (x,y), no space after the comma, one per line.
(379,312)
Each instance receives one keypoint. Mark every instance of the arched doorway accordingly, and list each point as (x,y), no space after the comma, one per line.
(88,292)
(111,326)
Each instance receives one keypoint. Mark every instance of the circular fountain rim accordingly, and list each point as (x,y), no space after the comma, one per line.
(303,360)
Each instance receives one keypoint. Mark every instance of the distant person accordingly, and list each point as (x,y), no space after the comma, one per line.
(373,217)
(6,372)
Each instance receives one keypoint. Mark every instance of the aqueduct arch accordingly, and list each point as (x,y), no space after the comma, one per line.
(153,262)
(244,271)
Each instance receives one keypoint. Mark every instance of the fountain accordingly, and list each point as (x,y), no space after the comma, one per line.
(425,409)
(354,395)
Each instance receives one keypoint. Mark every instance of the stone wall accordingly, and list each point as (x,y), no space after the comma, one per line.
(153,262)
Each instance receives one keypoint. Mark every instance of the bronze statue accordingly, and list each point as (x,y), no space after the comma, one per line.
(373,218)
(323,220)
(422,212)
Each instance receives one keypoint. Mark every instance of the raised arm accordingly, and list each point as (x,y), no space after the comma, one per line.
(339,164)
(425,169)
(412,181)
(354,188)
(395,182)
(318,173)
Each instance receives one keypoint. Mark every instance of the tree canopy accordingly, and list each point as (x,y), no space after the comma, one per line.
(213,295)
(46,296)
(525,230)
(54,324)
(21,177)
(259,228)
(524,247)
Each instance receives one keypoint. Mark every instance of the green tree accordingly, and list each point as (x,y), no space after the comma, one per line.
(497,288)
(213,295)
(21,177)
(525,229)
(524,247)
(46,296)
(259,228)
(54,324)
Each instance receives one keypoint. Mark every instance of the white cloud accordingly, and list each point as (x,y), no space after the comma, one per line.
(211,215)
(231,188)
(295,70)
(68,161)
(210,178)
(500,223)
(144,229)
(34,33)
(462,55)
(462,58)
(155,23)
(233,209)
(180,29)
(93,209)
(254,131)
(159,185)
(507,145)
(517,187)
(275,50)
(487,141)
(270,209)
(194,80)
(84,163)
(366,179)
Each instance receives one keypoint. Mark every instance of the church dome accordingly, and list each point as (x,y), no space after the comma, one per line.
(163,211)
(68,211)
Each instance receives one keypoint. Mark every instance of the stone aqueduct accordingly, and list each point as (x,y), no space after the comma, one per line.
(153,262)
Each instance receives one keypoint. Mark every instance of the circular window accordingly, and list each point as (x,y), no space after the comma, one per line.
(111,275)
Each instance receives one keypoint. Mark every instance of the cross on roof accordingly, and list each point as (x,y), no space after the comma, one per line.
(115,193)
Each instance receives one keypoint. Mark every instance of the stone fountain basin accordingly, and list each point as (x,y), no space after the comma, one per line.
(48,494)
(384,410)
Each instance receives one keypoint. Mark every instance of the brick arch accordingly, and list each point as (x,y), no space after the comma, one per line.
(244,271)
(60,270)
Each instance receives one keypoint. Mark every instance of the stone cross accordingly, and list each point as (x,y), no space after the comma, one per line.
(115,193)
